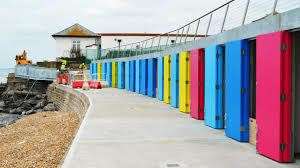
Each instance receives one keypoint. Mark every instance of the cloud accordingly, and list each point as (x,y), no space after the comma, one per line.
(28,24)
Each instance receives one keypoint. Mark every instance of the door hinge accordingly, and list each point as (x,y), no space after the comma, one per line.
(283,47)
(187,82)
(282,147)
(242,129)
(243,52)
(282,97)
(243,90)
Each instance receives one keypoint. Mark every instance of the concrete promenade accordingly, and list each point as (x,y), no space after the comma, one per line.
(127,130)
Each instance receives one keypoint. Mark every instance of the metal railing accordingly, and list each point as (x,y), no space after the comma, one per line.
(230,15)
(35,72)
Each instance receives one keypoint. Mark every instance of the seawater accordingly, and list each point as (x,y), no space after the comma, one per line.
(4,72)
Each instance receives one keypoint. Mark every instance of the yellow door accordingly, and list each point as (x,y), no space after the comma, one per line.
(184,82)
(114,79)
(99,71)
(167,79)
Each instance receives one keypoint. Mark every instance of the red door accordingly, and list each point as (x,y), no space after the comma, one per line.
(197,84)
(274,96)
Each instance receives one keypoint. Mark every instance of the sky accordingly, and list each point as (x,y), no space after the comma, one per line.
(29,24)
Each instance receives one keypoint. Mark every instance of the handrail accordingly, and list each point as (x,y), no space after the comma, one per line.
(184,33)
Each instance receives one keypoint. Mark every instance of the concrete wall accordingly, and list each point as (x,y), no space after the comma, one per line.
(68,99)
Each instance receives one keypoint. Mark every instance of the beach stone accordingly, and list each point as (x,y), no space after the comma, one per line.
(50,107)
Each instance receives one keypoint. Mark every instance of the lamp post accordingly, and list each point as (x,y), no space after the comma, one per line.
(119,44)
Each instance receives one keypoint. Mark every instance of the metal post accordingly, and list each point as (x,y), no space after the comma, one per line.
(136,50)
(131,48)
(196,32)
(181,35)
(187,33)
(208,26)
(151,45)
(176,36)
(274,7)
(246,11)
(142,48)
(225,16)
(124,52)
(158,46)
(167,41)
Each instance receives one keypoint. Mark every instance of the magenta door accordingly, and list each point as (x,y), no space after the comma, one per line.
(197,84)
(273,96)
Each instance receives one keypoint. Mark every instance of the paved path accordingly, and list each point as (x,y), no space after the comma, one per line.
(127,130)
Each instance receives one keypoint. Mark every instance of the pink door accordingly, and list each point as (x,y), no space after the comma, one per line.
(273,96)
(197,84)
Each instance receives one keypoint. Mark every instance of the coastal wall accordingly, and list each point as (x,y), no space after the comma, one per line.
(68,100)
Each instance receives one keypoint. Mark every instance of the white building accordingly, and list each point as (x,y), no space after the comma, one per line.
(79,38)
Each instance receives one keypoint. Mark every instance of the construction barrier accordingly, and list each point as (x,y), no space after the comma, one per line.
(213,99)
(184,82)
(160,78)
(174,101)
(197,84)
(152,77)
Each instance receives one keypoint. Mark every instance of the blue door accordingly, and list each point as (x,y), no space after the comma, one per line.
(152,77)
(104,71)
(127,75)
(108,74)
(144,73)
(137,76)
(132,76)
(121,75)
(95,70)
(174,80)
(160,78)
(213,99)
(237,95)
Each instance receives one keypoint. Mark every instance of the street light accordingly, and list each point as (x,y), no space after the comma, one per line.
(119,44)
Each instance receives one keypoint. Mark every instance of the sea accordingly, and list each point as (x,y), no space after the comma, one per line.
(3,74)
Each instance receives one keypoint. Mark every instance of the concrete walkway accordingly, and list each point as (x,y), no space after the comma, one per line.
(126,130)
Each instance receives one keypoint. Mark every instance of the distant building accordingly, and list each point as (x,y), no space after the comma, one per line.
(77,40)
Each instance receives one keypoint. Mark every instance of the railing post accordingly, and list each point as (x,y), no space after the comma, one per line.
(197,29)
(208,26)
(136,48)
(246,11)
(181,35)
(224,19)
(274,7)
(176,36)
(130,51)
(187,33)
(151,45)
(167,41)
(158,46)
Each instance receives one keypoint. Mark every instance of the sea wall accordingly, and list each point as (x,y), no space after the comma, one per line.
(67,99)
